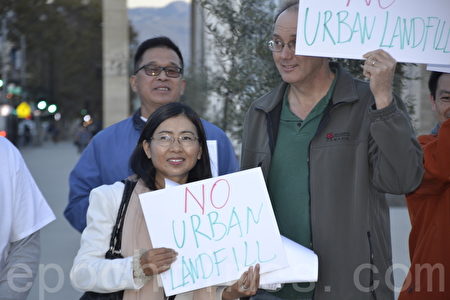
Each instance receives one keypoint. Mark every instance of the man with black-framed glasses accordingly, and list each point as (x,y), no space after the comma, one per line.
(157,80)
(429,206)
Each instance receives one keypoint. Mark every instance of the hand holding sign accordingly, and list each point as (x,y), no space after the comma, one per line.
(246,286)
(157,260)
(379,67)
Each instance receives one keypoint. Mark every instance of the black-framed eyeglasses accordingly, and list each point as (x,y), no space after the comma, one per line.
(152,70)
(165,140)
(278,45)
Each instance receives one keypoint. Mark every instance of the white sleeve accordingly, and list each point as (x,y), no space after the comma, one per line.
(31,211)
(91,271)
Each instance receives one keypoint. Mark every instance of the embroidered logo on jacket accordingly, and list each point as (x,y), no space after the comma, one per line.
(337,136)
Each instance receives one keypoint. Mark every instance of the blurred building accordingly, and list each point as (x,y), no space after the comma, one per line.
(12,77)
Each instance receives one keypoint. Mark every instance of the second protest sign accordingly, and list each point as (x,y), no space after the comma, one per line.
(219,227)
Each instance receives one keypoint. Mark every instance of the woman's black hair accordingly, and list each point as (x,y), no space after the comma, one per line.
(143,166)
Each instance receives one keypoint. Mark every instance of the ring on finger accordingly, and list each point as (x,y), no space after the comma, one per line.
(243,287)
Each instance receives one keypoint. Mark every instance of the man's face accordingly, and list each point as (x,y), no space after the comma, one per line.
(155,91)
(441,104)
(294,69)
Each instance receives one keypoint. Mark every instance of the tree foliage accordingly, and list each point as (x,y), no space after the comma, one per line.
(64,51)
(241,68)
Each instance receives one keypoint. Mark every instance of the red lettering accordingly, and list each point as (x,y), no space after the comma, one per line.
(381,3)
(201,204)
(218,196)
(222,193)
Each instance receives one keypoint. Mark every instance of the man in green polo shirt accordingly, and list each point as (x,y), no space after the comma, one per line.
(330,146)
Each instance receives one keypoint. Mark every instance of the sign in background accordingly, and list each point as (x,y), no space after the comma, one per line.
(411,31)
(439,68)
(219,227)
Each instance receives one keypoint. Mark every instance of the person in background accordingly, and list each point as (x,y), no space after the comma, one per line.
(82,136)
(330,146)
(24,212)
(157,80)
(429,206)
(172,146)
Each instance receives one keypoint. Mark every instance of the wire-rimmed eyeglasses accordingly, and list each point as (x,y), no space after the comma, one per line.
(165,140)
(278,45)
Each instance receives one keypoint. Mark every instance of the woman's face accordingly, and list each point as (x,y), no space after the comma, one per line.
(174,149)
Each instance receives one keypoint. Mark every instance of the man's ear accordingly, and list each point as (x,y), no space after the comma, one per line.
(133,83)
(183,86)
(433,103)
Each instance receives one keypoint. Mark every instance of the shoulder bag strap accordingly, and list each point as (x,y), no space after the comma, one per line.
(115,244)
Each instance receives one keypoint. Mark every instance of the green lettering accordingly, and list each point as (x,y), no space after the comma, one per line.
(195,223)
(304,28)
(234,221)
(200,260)
(255,219)
(426,31)
(327,17)
(214,224)
(384,31)
(217,262)
(341,21)
(415,32)
(397,31)
(175,237)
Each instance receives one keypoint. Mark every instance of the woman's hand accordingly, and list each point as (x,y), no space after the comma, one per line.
(246,286)
(158,260)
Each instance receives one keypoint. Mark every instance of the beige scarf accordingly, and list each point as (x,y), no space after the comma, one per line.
(135,236)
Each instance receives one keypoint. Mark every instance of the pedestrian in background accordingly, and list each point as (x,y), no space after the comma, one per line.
(157,80)
(429,206)
(330,147)
(82,137)
(172,146)
(24,212)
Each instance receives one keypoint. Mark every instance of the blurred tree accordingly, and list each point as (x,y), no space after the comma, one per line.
(64,51)
(242,68)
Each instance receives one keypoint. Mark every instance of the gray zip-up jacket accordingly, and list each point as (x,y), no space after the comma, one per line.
(357,155)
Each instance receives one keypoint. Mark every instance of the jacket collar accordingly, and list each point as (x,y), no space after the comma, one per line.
(138,123)
(436,128)
(344,91)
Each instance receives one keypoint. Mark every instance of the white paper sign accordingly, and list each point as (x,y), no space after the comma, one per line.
(411,31)
(219,227)
(213,157)
(439,68)
(303,265)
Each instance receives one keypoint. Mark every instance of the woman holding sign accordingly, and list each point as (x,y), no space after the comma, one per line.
(172,146)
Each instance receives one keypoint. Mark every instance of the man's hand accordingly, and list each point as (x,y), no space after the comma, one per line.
(379,67)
